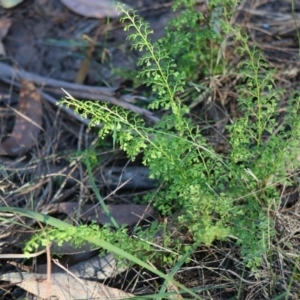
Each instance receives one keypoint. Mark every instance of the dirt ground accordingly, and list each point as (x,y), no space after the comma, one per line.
(49,47)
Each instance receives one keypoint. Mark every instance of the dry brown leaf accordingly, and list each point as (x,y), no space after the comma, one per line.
(173,288)
(93,8)
(95,267)
(124,214)
(10,3)
(63,286)
(28,122)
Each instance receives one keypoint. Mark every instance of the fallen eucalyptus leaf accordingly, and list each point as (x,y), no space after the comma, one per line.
(63,286)
(10,3)
(95,267)
(28,122)
(93,8)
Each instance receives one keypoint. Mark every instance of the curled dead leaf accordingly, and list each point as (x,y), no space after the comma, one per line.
(27,124)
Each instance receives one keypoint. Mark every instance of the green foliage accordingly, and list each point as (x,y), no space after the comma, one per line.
(217,197)
(159,69)
(56,223)
(192,39)
(138,245)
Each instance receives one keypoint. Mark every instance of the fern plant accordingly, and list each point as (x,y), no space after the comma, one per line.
(215,197)
(192,38)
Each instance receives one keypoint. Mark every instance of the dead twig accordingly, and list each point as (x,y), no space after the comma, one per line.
(76,90)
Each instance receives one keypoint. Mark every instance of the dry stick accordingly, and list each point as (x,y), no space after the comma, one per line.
(77,90)
(81,191)
(84,66)
(62,185)
(48,254)
(51,100)
(14,255)
(90,95)
(8,72)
